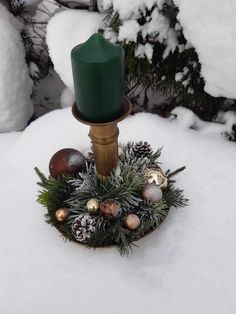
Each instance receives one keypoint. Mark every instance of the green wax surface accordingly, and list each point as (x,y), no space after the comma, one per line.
(98,72)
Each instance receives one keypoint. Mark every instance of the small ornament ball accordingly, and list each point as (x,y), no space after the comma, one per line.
(67,161)
(152,192)
(62,214)
(132,222)
(92,205)
(158,177)
(110,209)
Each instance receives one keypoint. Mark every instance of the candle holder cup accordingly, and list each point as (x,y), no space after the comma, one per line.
(104,137)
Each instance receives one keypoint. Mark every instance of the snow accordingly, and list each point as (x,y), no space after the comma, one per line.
(100,6)
(67,98)
(156,27)
(210,27)
(187,266)
(15,84)
(5,14)
(33,69)
(130,8)
(144,50)
(47,93)
(128,31)
(178,76)
(80,25)
(159,26)
(185,118)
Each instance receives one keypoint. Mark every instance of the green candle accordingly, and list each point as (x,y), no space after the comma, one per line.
(98,72)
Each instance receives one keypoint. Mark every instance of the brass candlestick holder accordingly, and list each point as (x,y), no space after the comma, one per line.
(104,138)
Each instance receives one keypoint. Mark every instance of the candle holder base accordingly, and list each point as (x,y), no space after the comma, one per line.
(104,137)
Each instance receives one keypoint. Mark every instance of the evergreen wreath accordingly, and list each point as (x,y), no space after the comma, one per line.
(125,207)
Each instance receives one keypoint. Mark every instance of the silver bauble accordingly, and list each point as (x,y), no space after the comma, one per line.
(152,193)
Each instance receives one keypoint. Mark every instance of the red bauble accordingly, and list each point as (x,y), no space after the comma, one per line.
(110,209)
(67,161)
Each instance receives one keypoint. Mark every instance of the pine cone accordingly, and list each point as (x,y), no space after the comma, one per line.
(83,227)
(142,149)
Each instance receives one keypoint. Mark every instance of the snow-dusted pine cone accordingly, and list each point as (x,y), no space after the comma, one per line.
(142,149)
(83,227)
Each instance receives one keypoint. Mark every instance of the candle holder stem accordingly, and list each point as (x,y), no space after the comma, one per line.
(104,138)
(105,147)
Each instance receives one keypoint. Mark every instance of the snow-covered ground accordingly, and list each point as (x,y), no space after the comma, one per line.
(187,266)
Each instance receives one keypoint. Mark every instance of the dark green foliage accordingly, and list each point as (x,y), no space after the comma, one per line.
(124,185)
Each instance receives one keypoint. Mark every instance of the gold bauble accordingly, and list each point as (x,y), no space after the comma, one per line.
(92,205)
(62,214)
(158,177)
(132,222)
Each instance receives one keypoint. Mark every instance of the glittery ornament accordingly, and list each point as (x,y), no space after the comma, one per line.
(152,193)
(132,222)
(158,177)
(92,205)
(67,161)
(110,209)
(83,227)
(62,214)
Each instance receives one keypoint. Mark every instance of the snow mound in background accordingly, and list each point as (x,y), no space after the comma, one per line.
(188,119)
(210,26)
(15,84)
(67,98)
(66,30)
(187,266)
